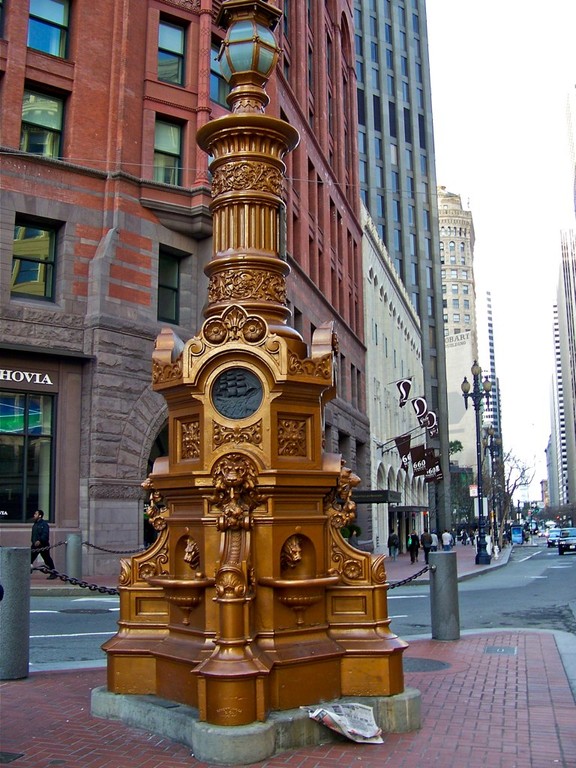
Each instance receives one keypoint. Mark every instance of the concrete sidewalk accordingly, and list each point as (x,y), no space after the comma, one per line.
(495,699)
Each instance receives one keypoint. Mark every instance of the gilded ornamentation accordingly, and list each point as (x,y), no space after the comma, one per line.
(190,448)
(230,583)
(192,553)
(156,566)
(291,437)
(236,284)
(378,570)
(125,577)
(247,174)
(338,504)
(161,374)
(291,553)
(250,434)
(235,492)
(235,325)
(320,368)
(157,510)
(196,346)
(352,569)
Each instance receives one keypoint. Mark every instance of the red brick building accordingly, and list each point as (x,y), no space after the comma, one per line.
(105,230)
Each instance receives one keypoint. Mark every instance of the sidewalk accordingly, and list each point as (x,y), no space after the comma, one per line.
(495,699)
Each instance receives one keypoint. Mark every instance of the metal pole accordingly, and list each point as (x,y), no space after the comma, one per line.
(444,607)
(74,556)
(482,556)
(15,613)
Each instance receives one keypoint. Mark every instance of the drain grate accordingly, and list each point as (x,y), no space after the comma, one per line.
(502,650)
(411,664)
(9,757)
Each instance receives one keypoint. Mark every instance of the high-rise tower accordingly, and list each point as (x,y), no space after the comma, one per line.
(398,179)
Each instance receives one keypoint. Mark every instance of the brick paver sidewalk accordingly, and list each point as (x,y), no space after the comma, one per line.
(489,700)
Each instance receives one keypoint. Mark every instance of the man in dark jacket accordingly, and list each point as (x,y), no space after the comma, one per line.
(41,539)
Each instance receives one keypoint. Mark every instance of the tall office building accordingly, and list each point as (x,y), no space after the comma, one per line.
(106,230)
(398,180)
(566,308)
(460,321)
(561,453)
(557,456)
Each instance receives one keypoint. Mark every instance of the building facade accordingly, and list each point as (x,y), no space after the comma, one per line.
(398,182)
(394,355)
(106,230)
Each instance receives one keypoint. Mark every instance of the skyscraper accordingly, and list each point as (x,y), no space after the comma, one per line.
(398,180)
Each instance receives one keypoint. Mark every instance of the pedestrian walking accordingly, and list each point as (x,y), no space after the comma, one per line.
(41,540)
(426,541)
(434,547)
(447,540)
(393,544)
(413,546)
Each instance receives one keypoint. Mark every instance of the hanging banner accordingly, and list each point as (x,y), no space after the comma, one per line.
(433,469)
(404,387)
(418,456)
(403,446)
(432,424)
(421,410)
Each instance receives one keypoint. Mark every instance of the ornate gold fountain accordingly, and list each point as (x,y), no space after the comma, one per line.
(250,600)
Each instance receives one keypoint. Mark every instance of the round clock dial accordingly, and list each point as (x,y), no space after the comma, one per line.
(237,393)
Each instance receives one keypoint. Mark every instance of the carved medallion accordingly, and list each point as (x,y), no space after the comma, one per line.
(291,437)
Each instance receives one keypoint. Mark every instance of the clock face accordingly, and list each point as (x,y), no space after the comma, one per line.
(237,393)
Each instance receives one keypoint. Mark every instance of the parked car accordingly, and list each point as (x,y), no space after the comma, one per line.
(553,536)
(567,540)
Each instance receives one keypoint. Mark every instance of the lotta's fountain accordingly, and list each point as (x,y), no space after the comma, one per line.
(250,604)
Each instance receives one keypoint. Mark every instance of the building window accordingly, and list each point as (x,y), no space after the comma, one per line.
(171,39)
(41,124)
(26,427)
(33,260)
(168,288)
(219,88)
(48,26)
(167,152)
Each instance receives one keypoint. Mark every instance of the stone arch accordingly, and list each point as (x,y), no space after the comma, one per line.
(147,417)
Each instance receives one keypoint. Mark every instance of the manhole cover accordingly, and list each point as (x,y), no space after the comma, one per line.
(9,757)
(503,650)
(412,664)
(84,610)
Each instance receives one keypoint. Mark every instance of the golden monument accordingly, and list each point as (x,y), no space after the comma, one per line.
(250,600)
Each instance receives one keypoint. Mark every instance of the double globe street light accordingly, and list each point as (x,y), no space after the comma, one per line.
(480,391)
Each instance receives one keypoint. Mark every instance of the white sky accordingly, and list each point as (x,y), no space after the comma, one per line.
(501,71)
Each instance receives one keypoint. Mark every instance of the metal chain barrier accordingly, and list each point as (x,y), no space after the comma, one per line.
(409,579)
(77,582)
(114,551)
(111,591)
(49,546)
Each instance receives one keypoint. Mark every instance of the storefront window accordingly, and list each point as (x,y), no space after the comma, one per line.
(26,440)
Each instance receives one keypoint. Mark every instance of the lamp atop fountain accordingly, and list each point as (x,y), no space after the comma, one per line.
(249,52)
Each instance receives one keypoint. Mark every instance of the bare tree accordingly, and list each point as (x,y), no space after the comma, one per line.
(508,477)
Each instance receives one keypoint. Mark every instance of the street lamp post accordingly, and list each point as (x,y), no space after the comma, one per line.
(492,443)
(480,390)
